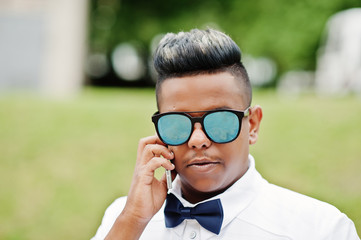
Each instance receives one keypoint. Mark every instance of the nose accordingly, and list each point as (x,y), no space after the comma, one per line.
(198,139)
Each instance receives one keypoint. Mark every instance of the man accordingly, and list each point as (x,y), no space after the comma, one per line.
(205,125)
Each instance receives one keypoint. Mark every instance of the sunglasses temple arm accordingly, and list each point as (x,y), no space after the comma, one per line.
(247,112)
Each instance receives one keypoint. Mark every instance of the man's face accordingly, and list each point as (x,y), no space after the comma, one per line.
(205,166)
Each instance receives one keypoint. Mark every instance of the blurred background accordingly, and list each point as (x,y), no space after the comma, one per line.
(77,93)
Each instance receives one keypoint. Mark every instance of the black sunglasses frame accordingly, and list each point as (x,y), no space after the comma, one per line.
(240,114)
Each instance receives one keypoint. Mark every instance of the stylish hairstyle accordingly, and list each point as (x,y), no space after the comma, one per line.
(199,52)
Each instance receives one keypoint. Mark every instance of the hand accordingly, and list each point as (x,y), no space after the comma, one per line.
(147,194)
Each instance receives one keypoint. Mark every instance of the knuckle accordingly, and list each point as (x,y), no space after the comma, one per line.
(148,147)
(142,141)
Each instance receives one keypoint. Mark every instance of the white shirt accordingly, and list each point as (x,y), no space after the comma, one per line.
(253,209)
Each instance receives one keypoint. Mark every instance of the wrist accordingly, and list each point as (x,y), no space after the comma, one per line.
(127,226)
(134,217)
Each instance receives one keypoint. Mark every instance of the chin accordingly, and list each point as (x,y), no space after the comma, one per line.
(206,185)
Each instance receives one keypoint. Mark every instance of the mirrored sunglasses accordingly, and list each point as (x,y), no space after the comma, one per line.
(220,126)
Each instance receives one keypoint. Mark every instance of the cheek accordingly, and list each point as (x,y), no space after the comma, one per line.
(229,152)
(236,159)
(238,149)
(178,153)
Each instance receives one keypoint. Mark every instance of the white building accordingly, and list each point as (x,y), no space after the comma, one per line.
(42,46)
(339,60)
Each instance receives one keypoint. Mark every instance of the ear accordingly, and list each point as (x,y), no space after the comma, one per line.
(254,121)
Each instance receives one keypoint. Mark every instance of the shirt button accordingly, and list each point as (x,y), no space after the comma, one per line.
(193,235)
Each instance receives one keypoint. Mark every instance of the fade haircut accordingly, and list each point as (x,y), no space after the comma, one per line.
(199,52)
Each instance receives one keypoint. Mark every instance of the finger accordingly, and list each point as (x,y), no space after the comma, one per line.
(149,140)
(156,163)
(145,173)
(155,150)
(144,142)
(163,179)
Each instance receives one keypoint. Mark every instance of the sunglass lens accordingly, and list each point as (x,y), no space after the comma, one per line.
(174,129)
(222,126)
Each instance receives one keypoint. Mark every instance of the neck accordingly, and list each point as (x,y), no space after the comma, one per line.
(194,196)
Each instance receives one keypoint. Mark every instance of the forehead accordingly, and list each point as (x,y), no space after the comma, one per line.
(201,92)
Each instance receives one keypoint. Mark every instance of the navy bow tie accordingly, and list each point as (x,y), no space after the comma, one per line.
(208,214)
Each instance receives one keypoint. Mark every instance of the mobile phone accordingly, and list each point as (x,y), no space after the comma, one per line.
(168,176)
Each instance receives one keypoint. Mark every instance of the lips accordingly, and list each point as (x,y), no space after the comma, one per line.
(202,163)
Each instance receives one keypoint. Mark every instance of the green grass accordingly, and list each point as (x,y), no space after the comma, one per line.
(63,162)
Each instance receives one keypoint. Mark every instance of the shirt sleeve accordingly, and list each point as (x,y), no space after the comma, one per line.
(343,229)
(110,215)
